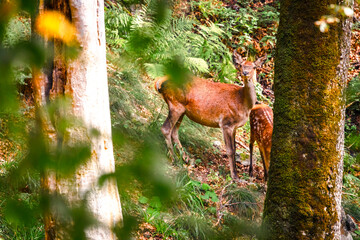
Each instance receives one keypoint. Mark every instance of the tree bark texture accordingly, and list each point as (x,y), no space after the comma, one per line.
(303,200)
(84,80)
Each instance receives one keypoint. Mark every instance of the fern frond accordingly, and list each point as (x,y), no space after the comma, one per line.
(155,70)
(197,64)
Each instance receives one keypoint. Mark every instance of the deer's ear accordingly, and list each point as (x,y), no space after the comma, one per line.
(237,59)
(260,61)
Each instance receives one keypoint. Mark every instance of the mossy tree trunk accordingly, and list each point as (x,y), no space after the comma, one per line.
(303,200)
(84,81)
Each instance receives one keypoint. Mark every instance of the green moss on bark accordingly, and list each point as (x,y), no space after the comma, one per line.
(300,201)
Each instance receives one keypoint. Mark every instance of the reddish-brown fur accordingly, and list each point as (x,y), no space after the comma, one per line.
(261,123)
(220,105)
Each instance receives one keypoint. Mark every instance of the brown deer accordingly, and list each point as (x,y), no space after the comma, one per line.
(213,104)
(261,124)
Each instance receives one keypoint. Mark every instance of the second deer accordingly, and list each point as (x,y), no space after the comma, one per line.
(261,124)
(219,105)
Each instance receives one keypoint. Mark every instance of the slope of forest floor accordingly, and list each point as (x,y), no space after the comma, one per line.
(142,115)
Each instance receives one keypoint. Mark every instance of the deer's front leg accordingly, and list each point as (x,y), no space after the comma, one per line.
(229,139)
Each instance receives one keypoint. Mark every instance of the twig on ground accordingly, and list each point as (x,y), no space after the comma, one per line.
(242,145)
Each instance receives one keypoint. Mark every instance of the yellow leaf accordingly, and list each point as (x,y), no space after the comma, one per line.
(54,25)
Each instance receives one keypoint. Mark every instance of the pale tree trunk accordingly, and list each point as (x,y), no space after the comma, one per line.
(87,85)
(84,80)
(303,200)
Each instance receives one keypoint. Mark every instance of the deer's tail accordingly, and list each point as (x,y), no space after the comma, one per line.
(158,83)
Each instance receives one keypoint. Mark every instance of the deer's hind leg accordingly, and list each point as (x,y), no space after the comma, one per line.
(175,139)
(266,161)
(176,112)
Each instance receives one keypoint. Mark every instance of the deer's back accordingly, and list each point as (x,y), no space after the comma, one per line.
(209,103)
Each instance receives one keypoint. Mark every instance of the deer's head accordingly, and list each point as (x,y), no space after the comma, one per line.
(246,68)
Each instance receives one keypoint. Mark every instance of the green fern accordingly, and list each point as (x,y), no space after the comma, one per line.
(197,64)
(353,91)
(155,70)
(153,44)
(117,25)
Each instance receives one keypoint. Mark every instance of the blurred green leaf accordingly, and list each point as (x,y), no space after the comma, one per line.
(160,10)
(19,212)
(213,196)
(205,196)
(125,230)
(30,53)
(29,5)
(155,203)
(143,200)
(177,72)
(140,40)
(205,187)
(82,220)
(69,158)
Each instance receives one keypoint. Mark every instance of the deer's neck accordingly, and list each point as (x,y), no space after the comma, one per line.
(249,92)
